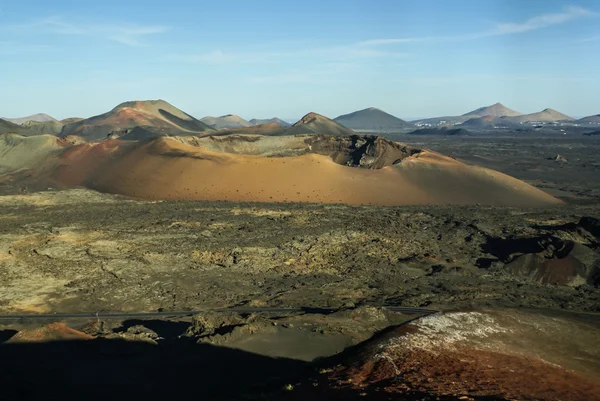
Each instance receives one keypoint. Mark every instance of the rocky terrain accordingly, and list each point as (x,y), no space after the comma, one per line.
(80,250)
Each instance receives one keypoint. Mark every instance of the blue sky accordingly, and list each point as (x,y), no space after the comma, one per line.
(285,58)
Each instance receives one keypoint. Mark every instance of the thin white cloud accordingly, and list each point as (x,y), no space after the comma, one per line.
(500,29)
(542,21)
(124,33)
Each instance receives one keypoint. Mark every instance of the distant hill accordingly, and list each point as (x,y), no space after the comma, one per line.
(279,121)
(489,122)
(314,123)
(40,118)
(441,131)
(495,110)
(154,116)
(226,121)
(546,115)
(372,119)
(590,119)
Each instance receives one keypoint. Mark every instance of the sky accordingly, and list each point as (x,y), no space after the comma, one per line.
(261,59)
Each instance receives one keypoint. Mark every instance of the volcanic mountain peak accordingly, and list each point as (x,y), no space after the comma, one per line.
(314,123)
(154,107)
(144,103)
(155,116)
(311,117)
(547,115)
(496,110)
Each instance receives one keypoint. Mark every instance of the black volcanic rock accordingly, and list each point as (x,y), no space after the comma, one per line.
(441,131)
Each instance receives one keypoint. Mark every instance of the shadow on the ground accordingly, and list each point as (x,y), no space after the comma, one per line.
(118,369)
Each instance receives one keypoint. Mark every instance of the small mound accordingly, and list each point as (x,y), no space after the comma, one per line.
(51,332)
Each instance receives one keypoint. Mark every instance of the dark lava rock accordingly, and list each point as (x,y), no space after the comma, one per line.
(366,151)
(563,263)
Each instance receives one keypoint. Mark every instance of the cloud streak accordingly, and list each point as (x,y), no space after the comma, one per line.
(541,21)
(500,29)
(125,33)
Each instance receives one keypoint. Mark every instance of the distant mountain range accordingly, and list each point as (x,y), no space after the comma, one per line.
(311,123)
(490,121)
(496,115)
(372,119)
(495,110)
(138,120)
